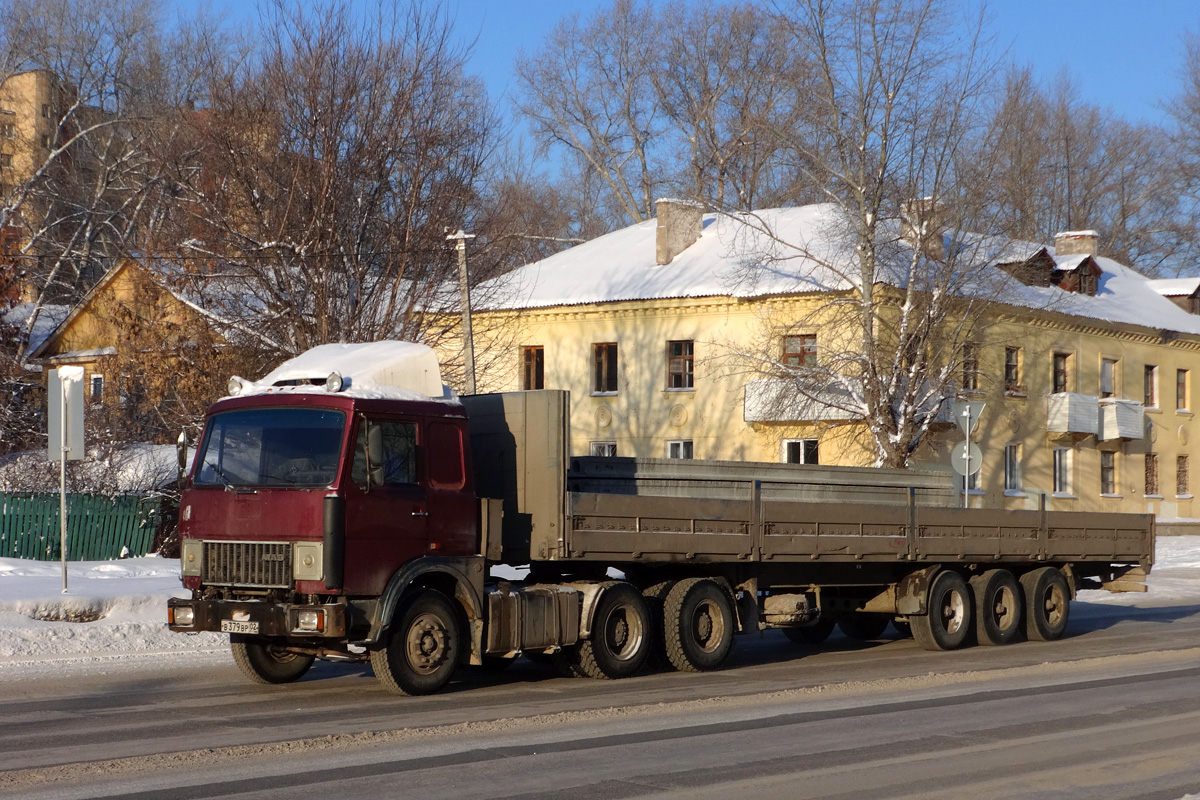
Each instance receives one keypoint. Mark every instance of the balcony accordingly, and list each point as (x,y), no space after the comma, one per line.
(1121,419)
(778,401)
(1073,413)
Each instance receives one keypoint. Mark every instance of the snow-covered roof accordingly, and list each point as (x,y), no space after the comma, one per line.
(50,317)
(802,250)
(388,369)
(1175,287)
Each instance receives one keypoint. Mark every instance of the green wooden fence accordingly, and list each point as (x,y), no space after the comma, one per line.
(98,526)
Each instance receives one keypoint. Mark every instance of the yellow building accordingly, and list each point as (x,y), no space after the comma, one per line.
(1085,369)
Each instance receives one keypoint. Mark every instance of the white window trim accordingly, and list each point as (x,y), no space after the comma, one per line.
(681,442)
(783,448)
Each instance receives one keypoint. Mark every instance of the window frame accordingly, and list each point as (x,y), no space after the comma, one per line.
(1060,372)
(685,360)
(803,447)
(1152,486)
(1111,366)
(806,353)
(970,367)
(1150,385)
(1183,478)
(1183,390)
(1012,470)
(605,363)
(1108,474)
(1012,370)
(680,446)
(1060,471)
(533,356)
(593,447)
(95,388)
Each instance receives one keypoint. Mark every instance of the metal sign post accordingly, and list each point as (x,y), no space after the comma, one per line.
(967,459)
(64,400)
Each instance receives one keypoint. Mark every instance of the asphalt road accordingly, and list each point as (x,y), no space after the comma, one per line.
(1111,711)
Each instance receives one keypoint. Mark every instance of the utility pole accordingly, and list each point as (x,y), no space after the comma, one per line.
(460,244)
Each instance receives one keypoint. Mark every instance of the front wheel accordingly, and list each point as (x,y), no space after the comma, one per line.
(1047,604)
(698,625)
(263,662)
(621,634)
(419,652)
(947,622)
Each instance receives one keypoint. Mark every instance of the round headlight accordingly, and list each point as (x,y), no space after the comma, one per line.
(334,382)
(235,385)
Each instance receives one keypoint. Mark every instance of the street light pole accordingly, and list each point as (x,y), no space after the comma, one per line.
(460,244)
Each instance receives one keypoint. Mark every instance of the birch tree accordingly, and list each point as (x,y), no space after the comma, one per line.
(890,142)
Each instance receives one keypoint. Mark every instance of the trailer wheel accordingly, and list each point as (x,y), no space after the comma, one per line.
(656,598)
(620,640)
(948,621)
(864,627)
(998,605)
(263,662)
(420,650)
(698,625)
(1047,604)
(810,634)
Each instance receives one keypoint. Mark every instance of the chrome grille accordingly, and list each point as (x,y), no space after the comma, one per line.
(264,564)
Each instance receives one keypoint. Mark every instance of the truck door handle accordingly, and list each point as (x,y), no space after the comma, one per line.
(420,513)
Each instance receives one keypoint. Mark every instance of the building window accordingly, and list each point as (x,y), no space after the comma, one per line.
(801,451)
(680,448)
(5,160)
(604,449)
(1062,367)
(1108,473)
(975,481)
(800,351)
(1062,470)
(7,130)
(96,389)
(1182,482)
(1181,390)
(45,111)
(606,368)
(533,360)
(1012,370)
(1151,386)
(1012,468)
(1108,377)
(970,357)
(679,365)
(1152,474)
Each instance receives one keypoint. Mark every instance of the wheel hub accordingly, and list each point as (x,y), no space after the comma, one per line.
(426,643)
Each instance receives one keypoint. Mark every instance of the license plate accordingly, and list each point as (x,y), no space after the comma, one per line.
(229,626)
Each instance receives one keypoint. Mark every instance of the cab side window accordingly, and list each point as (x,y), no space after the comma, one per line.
(399,453)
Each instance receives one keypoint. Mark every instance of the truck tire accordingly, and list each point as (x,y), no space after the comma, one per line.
(263,662)
(948,621)
(419,651)
(810,634)
(1047,604)
(864,627)
(999,601)
(656,601)
(698,625)
(621,631)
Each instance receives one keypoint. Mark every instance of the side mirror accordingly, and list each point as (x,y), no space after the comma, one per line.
(374,455)
(181,448)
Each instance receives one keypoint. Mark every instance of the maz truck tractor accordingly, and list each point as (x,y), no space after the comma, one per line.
(349,507)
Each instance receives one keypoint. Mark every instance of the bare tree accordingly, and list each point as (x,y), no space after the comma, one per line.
(590,90)
(890,142)
(317,180)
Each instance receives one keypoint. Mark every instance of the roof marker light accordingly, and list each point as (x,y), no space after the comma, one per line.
(334,382)
(235,386)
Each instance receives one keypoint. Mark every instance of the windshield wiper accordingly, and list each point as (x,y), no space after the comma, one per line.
(229,487)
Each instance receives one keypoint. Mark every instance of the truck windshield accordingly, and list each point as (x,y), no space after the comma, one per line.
(271,447)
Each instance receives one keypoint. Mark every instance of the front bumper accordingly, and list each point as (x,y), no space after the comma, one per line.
(255,618)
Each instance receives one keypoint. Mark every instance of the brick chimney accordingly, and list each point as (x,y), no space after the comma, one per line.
(679,226)
(923,222)
(1076,243)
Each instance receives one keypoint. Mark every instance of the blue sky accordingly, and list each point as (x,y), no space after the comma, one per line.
(1122,54)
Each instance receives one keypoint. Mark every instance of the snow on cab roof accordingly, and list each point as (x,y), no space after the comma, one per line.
(386,369)
(801,250)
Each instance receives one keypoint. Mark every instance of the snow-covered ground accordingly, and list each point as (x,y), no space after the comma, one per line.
(125,603)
